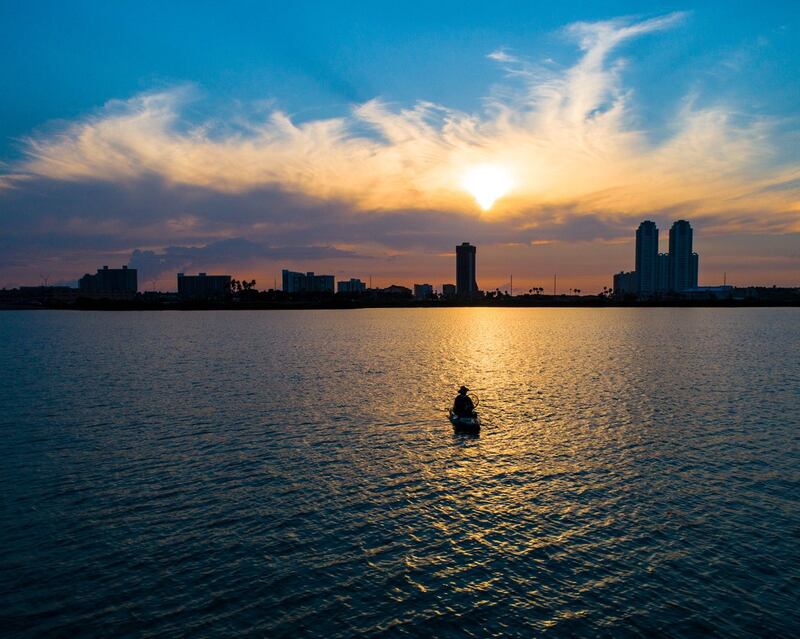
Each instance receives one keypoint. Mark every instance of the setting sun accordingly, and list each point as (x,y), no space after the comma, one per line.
(487,183)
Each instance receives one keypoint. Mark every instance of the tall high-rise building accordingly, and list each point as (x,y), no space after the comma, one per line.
(466,285)
(662,273)
(646,258)
(694,270)
(680,257)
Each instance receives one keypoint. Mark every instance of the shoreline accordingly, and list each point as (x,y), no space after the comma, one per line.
(144,305)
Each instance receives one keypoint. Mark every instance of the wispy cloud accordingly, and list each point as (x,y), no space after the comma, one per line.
(501,55)
(565,136)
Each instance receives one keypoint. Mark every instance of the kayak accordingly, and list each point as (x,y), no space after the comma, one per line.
(465,424)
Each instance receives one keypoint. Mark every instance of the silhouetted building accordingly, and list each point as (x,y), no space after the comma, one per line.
(680,257)
(293,282)
(624,284)
(448,291)
(423,291)
(202,286)
(466,284)
(306,282)
(646,258)
(353,285)
(110,283)
(662,273)
(694,270)
(395,290)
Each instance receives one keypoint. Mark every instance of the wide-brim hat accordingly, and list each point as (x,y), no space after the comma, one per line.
(463,389)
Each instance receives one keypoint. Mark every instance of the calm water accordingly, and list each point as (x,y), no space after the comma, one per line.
(290,474)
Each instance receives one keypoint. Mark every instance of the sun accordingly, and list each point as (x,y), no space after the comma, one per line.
(487,183)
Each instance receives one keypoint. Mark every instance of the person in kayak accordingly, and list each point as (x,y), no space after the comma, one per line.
(463,406)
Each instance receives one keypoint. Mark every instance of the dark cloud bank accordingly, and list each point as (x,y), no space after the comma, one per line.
(67,228)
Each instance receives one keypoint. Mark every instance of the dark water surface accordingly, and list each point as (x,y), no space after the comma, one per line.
(290,474)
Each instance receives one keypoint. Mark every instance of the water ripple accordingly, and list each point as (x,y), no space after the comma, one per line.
(293,474)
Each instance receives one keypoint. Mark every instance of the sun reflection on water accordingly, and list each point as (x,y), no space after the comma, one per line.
(596,493)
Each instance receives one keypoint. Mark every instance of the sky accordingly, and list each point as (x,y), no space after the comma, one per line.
(367,139)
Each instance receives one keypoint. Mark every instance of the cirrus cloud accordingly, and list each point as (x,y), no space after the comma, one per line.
(566,136)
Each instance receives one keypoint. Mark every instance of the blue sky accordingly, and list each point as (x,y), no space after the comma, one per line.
(241,61)
(314,58)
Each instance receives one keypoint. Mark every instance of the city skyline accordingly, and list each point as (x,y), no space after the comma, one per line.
(655,276)
(542,137)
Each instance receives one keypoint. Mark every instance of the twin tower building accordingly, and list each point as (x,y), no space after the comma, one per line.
(658,273)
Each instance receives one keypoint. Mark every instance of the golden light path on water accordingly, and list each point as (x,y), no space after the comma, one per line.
(634,475)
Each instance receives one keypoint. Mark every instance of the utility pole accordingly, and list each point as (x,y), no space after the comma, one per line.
(512,285)
(724,278)
(554,285)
